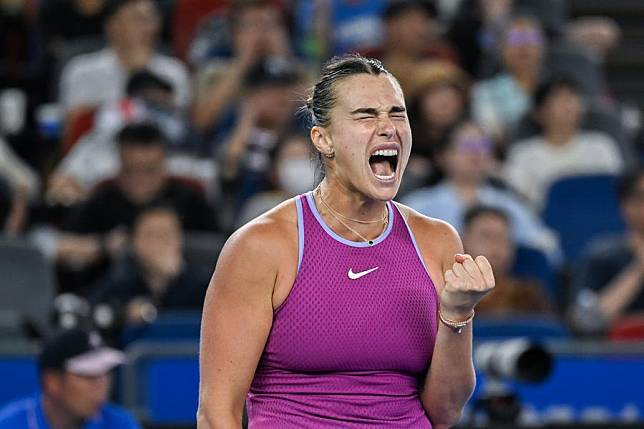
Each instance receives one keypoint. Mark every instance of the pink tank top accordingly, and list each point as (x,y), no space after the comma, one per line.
(351,343)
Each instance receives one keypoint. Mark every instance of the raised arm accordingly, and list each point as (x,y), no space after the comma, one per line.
(237,318)
(461,282)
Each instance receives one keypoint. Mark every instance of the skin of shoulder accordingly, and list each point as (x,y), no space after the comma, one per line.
(438,242)
(268,246)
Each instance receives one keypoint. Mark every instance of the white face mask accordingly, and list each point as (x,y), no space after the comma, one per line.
(296,175)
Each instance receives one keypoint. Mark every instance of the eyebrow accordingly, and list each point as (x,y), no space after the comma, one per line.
(374,111)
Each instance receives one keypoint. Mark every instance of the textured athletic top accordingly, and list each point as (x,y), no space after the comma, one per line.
(351,343)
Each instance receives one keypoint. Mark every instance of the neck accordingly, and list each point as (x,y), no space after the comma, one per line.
(558,137)
(355,215)
(350,204)
(132,57)
(526,79)
(58,417)
(466,189)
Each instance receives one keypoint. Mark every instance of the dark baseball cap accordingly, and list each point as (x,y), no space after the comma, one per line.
(271,71)
(79,352)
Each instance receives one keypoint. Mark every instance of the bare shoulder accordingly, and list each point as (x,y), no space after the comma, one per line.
(436,239)
(268,236)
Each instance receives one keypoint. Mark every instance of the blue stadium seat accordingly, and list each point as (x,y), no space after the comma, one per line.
(519,325)
(532,263)
(171,325)
(18,370)
(580,208)
(160,382)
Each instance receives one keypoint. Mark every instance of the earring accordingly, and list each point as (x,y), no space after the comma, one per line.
(330,154)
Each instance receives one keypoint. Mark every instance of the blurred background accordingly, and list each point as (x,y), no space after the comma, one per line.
(136,135)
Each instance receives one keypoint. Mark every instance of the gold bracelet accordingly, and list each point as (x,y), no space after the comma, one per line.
(456,325)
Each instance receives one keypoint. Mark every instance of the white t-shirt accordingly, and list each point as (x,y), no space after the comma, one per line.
(533,164)
(96,78)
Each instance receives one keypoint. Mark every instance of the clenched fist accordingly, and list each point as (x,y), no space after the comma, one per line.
(466,283)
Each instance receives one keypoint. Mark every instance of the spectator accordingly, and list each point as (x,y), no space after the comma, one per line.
(438,99)
(267,114)
(486,232)
(98,224)
(498,103)
(467,161)
(75,381)
(96,157)
(154,276)
(255,29)
(293,173)
(563,148)
(411,36)
(142,179)
(131,28)
(612,268)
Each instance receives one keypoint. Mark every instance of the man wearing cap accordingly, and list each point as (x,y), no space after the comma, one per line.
(74,377)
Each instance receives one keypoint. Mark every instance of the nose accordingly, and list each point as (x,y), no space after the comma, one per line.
(386,127)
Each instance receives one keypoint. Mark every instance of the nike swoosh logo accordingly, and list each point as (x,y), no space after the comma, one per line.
(355,276)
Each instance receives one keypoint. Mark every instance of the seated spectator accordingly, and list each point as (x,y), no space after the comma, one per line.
(153,277)
(96,156)
(438,99)
(486,231)
(411,37)
(131,28)
(467,162)
(293,173)
(267,114)
(563,149)
(251,31)
(498,103)
(74,369)
(612,269)
(96,227)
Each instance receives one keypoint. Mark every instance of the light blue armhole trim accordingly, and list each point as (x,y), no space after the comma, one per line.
(413,240)
(300,232)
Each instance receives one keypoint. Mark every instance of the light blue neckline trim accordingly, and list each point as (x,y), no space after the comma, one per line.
(300,232)
(336,237)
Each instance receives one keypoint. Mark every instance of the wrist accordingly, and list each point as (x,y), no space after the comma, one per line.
(456,314)
(456,325)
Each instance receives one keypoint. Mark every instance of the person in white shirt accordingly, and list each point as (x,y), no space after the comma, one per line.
(563,149)
(131,29)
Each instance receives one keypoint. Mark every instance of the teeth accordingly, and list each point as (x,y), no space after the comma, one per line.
(391,176)
(386,152)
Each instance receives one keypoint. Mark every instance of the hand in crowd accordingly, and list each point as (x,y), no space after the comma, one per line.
(140,310)
(64,190)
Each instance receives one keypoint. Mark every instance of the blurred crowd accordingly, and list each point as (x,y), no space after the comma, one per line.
(136,134)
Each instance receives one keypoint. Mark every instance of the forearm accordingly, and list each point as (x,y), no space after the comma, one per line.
(450,379)
(620,292)
(207,420)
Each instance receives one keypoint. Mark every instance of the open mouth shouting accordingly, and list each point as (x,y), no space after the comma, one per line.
(384,163)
